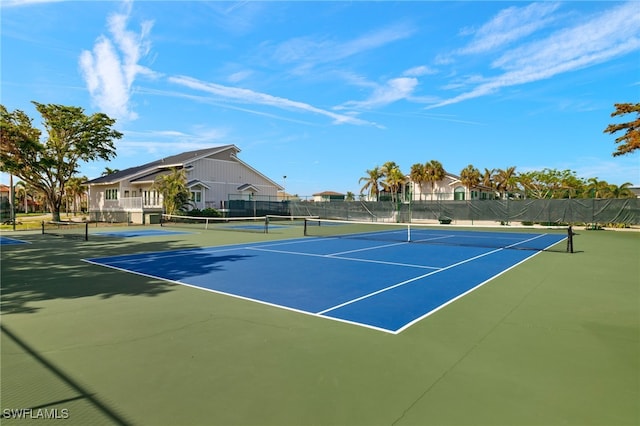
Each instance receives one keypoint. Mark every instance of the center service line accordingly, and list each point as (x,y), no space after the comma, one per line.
(366,296)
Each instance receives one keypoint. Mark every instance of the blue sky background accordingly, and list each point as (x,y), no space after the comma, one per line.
(322,91)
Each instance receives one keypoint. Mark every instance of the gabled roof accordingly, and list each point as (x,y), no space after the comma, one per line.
(197,182)
(148,171)
(247,187)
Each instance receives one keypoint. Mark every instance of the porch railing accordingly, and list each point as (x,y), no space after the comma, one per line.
(135,204)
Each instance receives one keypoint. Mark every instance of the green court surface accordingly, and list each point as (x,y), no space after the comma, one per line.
(553,341)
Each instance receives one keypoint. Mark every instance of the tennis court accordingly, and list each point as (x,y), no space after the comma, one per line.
(370,278)
(201,327)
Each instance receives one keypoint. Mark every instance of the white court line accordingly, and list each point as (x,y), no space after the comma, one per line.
(366,248)
(366,296)
(353,259)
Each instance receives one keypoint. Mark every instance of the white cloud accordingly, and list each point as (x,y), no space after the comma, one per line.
(111,68)
(240,95)
(18,3)
(509,25)
(599,39)
(312,51)
(419,71)
(394,90)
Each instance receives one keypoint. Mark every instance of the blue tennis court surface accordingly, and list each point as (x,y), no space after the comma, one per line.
(386,286)
(139,233)
(5,241)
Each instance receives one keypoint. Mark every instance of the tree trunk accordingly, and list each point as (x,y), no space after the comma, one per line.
(54,203)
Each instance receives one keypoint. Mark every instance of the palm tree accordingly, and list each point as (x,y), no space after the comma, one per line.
(418,176)
(372,182)
(434,172)
(22,194)
(173,187)
(505,181)
(470,177)
(597,188)
(622,191)
(75,190)
(108,171)
(394,180)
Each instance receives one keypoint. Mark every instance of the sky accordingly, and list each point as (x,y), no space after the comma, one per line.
(321,92)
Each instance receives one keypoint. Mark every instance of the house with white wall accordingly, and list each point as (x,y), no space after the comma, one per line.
(214,175)
(449,188)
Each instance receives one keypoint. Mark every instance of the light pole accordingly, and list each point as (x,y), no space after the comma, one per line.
(284,188)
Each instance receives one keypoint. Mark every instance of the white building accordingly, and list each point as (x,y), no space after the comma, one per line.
(213,176)
(449,188)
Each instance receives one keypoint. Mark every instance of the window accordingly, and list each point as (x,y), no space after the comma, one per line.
(111,194)
(151,198)
(196,196)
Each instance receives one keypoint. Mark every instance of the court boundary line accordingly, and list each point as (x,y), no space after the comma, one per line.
(17,243)
(374,293)
(181,252)
(433,311)
(352,259)
(237,296)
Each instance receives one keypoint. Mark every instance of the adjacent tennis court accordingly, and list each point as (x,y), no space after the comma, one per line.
(369,277)
(8,241)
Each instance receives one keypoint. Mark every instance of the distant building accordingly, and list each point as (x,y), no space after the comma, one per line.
(214,175)
(328,196)
(448,188)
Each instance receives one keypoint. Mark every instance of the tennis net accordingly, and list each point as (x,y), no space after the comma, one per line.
(67,229)
(425,234)
(242,224)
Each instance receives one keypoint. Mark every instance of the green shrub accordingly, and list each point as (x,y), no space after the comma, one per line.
(208,212)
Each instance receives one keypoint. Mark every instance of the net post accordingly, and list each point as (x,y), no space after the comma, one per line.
(42,225)
(266,224)
(570,239)
(305,228)
(86,231)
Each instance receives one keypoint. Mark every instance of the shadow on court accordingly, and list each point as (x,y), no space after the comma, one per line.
(74,392)
(51,268)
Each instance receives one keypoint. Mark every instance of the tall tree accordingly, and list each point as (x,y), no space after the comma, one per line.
(487,178)
(630,140)
(72,137)
(622,191)
(470,178)
(418,176)
(173,187)
(108,171)
(372,182)
(394,179)
(597,188)
(75,190)
(434,172)
(22,195)
(505,180)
